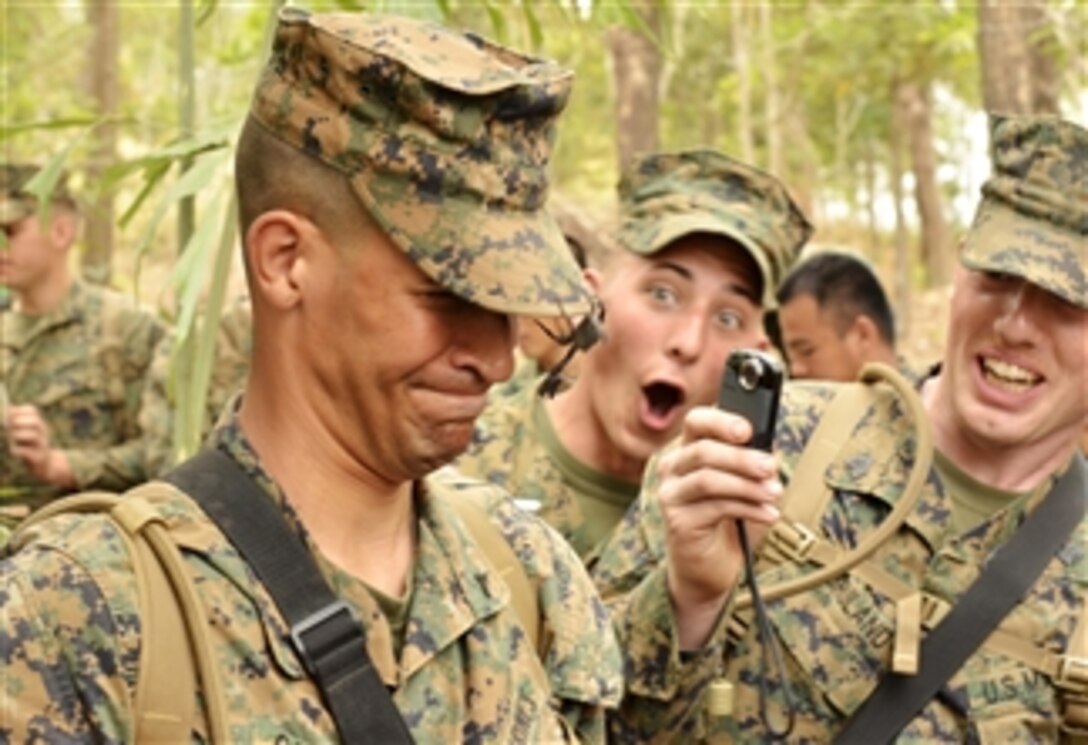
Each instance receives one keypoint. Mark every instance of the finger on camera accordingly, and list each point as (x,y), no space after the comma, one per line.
(708,484)
(707,422)
(721,456)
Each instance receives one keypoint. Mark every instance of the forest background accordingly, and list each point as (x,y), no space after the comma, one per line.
(872,113)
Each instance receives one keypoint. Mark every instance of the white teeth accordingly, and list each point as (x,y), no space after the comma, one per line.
(1008,375)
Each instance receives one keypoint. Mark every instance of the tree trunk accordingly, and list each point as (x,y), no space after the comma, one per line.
(1003,57)
(1043,70)
(914,101)
(97,259)
(772,107)
(636,70)
(742,68)
(901,285)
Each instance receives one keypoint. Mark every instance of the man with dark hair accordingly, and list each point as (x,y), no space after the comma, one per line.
(834,317)
(72,358)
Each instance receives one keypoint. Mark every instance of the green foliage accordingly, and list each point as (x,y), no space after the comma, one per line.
(836,63)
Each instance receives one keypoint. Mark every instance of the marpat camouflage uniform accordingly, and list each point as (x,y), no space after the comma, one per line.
(83,365)
(837,638)
(464,674)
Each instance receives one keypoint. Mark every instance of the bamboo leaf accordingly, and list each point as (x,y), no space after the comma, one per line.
(192,181)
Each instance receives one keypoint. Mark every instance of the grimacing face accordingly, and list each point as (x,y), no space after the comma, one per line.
(671,319)
(402,365)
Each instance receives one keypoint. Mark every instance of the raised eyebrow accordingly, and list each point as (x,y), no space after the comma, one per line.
(730,287)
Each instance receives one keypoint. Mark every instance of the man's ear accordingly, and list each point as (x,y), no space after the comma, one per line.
(63,227)
(594,279)
(864,333)
(274,254)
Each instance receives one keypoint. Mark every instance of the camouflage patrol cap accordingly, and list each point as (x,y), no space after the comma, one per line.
(666,196)
(16,200)
(1032,221)
(15,204)
(444,137)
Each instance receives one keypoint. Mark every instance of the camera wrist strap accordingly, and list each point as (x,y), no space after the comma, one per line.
(999,587)
(324,630)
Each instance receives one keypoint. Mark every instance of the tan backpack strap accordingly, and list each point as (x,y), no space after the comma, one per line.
(847,560)
(523,595)
(808,493)
(136,513)
(166,684)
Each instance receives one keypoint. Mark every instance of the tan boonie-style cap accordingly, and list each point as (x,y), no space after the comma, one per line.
(445,137)
(666,196)
(1032,221)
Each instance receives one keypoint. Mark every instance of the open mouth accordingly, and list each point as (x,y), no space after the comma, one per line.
(1008,376)
(662,401)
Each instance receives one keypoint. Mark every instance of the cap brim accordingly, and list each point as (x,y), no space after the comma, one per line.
(671,228)
(1047,255)
(509,261)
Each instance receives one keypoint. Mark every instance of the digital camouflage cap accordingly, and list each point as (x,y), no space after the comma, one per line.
(17,200)
(444,137)
(1032,221)
(666,196)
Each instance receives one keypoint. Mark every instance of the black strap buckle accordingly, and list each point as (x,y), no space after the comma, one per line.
(327,640)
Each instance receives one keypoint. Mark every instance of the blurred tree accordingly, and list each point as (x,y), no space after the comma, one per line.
(1018,47)
(102,53)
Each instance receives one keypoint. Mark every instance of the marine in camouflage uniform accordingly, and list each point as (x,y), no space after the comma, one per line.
(80,361)
(665,199)
(1028,240)
(445,138)
(233,344)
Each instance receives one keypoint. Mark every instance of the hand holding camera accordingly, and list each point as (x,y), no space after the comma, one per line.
(710,483)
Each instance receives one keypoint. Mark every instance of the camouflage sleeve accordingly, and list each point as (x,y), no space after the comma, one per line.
(663,701)
(58,649)
(123,464)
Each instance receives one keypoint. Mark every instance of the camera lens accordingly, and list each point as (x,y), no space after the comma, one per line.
(749,374)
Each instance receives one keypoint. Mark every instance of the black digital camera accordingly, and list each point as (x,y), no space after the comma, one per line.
(751,387)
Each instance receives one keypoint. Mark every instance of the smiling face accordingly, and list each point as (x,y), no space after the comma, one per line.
(671,319)
(1015,362)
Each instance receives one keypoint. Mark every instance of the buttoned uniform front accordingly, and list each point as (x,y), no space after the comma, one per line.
(83,365)
(466,671)
(837,639)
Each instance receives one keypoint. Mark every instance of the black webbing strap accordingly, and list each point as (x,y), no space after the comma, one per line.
(1000,586)
(324,630)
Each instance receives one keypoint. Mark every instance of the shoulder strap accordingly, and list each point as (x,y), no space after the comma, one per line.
(490,540)
(166,683)
(324,630)
(1000,586)
(808,493)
